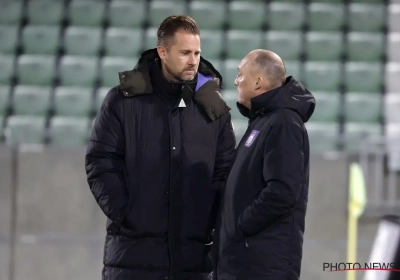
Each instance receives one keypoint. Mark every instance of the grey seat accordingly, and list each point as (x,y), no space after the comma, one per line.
(240,43)
(41,39)
(110,66)
(289,45)
(363,107)
(323,136)
(54,11)
(4,100)
(328,107)
(321,76)
(36,69)
(69,131)
(83,41)
(73,101)
(86,13)
(356,134)
(6,69)
(324,46)
(25,129)
(31,100)
(8,39)
(79,71)
(125,13)
(364,77)
(123,42)
(363,46)
(159,10)
(11,12)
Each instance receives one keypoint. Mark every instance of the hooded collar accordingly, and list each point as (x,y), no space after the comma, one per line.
(292,95)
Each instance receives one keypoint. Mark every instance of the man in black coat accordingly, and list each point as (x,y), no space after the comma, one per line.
(159,154)
(260,234)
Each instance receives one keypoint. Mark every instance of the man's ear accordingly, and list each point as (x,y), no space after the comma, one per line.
(259,83)
(162,52)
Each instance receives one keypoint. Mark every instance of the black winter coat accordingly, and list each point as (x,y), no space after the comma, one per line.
(260,234)
(155,170)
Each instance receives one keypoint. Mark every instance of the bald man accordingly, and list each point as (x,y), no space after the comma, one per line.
(260,232)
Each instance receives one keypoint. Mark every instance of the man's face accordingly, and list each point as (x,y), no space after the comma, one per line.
(181,59)
(245,82)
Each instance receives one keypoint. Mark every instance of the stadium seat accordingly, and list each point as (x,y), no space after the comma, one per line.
(69,131)
(230,73)
(41,39)
(73,101)
(245,15)
(36,70)
(321,76)
(391,108)
(31,100)
(361,15)
(54,11)
(239,127)
(4,100)
(355,134)
(110,66)
(393,46)
(11,12)
(151,38)
(1,129)
(100,95)
(25,129)
(78,71)
(323,136)
(6,69)
(125,13)
(212,43)
(293,68)
(231,98)
(86,13)
(365,46)
(392,74)
(208,14)
(326,16)
(123,42)
(364,77)
(324,46)
(83,41)
(286,16)
(328,106)
(8,39)
(394,17)
(240,43)
(363,108)
(159,10)
(289,45)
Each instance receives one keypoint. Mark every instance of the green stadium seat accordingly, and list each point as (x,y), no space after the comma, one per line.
(365,46)
(289,45)
(110,66)
(11,12)
(36,70)
(41,39)
(230,73)
(1,129)
(361,107)
(83,41)
(211,44)
(239,127)
(69,131)
(54,11)
(245,15)
(159,10)
(293,68)
(327,1)
(324,46)
(8,39)
(326,16)
(25,129)
(100,95)
(151,38)
(127,13)
(323,76)
(86,13)
(367,17)
(6,69)
(218,65)
(73,101)
(328,106)
(355,134)
(208,14)
(123,42)
(31,100)
(240,43)
(323,137)
(364,77)
(78,71)
(231,98)
(286,16)
(4,100)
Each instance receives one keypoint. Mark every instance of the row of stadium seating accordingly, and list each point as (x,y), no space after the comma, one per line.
(84,71)
(277,15)
(325,46)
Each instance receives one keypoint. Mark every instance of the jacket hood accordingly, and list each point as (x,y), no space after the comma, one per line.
(292,95)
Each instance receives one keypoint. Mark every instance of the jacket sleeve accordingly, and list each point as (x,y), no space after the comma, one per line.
(104,159)
(283,174)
